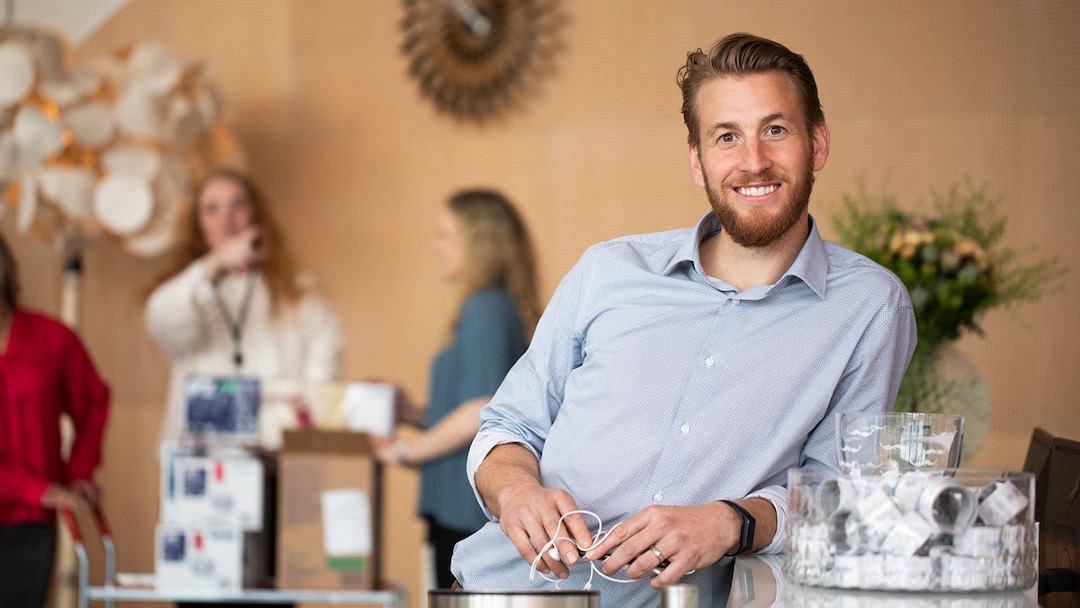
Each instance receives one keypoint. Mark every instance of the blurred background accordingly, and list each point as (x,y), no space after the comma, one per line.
(919,96)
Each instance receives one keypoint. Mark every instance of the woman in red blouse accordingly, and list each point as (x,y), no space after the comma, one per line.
(44,372)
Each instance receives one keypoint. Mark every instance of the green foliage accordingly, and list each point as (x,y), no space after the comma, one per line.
(951,261)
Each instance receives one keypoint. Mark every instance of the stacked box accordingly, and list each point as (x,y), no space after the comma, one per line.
(225,489)
(195,557)
(210,533)
(328,500)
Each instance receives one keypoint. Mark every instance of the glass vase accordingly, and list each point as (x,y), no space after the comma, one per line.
(944,381)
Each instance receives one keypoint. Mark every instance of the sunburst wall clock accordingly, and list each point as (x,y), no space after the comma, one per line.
(479,59)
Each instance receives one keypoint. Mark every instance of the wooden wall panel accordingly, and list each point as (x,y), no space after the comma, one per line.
(918,95)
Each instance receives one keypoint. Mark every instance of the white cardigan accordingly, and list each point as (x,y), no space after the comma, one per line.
(184,320)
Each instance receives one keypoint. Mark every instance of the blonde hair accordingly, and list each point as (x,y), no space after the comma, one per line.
(498,251)
(278,269)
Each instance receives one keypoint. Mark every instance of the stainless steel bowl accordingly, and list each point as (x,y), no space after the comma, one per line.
(445,598)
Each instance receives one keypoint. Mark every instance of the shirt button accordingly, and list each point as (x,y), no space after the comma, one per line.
(685,429)
(709,361)
(658,497)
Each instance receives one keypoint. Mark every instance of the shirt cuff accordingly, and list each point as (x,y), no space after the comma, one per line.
(778,496)
(481,447)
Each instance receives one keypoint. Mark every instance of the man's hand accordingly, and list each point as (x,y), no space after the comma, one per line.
(530,518)
(687,538)
(509,481)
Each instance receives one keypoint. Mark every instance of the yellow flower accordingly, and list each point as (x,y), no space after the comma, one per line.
(968,248)
(913,238)
(896,242)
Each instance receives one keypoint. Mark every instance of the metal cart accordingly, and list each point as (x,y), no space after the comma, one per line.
(111,592)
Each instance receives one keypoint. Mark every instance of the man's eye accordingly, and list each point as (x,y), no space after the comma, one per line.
(726,138)
(775,130)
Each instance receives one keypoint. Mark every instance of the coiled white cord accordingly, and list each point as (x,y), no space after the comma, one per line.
(550,549)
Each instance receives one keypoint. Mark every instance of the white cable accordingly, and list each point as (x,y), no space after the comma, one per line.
(593,569)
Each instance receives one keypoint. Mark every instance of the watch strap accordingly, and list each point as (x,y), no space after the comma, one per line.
(746,534)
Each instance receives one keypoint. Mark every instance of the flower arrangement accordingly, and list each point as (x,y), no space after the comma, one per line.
(953,264)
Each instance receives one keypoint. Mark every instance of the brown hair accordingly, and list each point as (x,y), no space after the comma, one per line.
(739,55)
(498,252)
(278,269)
(9,278)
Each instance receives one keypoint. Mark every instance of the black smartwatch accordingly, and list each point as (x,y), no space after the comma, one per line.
(746,535)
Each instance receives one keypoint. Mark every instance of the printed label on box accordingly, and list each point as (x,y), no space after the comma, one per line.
(346,520)
(222,406)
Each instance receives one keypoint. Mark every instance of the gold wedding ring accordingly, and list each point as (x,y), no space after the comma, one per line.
(658,554)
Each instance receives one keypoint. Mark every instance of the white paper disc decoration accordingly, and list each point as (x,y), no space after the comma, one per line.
(136,161)
(36,135)
(91,124)
(69,188)
(17,66)
(72,87)
(123,204)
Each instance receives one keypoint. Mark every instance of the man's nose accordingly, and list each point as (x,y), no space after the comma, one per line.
(755,158)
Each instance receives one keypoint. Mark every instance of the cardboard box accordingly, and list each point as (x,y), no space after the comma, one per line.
(198,557)
(329,492)
(224,488)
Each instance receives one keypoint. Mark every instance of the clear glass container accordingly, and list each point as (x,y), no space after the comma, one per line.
(874,442)
(915,530)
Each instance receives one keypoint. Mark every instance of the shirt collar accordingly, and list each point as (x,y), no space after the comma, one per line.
(811,266)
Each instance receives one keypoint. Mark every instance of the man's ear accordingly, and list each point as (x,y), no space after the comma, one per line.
(695,165)
(822,139)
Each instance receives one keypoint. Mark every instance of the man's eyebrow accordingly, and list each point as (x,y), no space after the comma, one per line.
(722,126)
(774,117)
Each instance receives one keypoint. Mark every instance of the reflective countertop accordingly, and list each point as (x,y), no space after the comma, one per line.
(758,582)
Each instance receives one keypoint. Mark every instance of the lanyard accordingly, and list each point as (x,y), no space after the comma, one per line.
(236,326)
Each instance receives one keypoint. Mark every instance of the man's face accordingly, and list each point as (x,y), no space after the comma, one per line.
(756,159)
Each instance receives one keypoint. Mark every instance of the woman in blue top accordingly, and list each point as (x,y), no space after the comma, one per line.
(485,251)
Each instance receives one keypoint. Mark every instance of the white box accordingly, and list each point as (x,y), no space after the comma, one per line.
(223,489)
(195,557)
(369,408)
(289,404)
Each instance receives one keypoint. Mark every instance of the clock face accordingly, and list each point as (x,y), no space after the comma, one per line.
(479,59)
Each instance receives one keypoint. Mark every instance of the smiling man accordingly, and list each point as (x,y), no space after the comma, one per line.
(675,377)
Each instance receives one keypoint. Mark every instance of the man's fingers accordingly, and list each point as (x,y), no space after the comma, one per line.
(577,529)
(521,541)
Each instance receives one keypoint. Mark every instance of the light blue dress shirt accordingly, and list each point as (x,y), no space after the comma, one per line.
(648,382)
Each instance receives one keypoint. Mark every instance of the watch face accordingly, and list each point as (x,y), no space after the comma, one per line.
(479,59)
(746,532)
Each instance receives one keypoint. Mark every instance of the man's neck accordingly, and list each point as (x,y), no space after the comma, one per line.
(748,267)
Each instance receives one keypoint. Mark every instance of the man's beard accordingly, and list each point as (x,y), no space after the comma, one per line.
(758,227)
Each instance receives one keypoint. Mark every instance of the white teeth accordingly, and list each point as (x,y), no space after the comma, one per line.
(758,190)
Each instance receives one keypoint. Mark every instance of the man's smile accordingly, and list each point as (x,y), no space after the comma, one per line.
(753,191)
